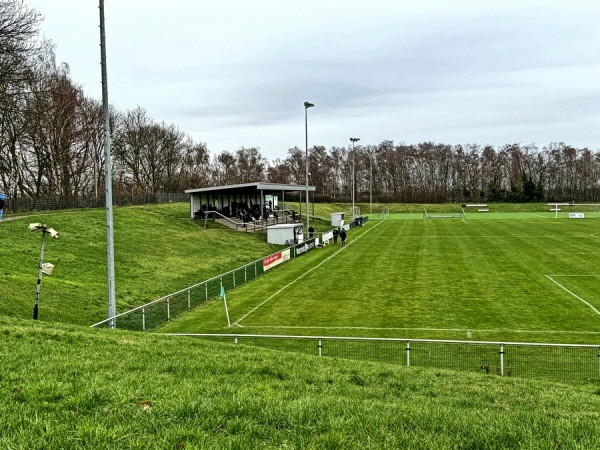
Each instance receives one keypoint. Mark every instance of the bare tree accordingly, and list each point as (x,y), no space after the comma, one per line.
(19,46)
(251,165)
(224,169)
(196,166)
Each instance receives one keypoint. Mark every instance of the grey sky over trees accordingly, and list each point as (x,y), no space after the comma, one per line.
(236,73)
(51,124)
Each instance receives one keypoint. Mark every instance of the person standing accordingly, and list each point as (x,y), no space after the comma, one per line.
(336,233)
(1,207)
(343,236)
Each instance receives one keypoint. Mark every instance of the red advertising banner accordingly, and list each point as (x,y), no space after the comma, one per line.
(275,259)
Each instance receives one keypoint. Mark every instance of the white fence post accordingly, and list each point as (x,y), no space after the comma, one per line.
(320,345)
(168,309)
(501,360)
(407,353)
(189,299)
(143,319)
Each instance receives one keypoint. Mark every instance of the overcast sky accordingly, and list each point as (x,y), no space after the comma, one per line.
(236,73)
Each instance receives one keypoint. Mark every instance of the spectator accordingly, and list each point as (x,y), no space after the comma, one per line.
(2,204)
(311,231)
(343,236)
(336,232)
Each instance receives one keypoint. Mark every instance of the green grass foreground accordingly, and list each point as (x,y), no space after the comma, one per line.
(63,386)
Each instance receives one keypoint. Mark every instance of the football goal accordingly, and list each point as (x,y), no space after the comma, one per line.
(574,210)
(427,215)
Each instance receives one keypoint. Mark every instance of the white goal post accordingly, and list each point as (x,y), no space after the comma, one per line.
(556,207)
(427,215)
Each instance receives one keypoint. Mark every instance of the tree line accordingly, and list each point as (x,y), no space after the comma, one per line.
(51,144)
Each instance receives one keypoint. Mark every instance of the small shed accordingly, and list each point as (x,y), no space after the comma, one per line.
(285,234)
(337,219)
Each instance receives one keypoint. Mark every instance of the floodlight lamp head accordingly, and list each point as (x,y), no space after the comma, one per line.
(53,232)
(308,105)
(47,268)
(35,226)
(355,139)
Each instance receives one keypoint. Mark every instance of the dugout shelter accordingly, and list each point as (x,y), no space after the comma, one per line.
(226,199)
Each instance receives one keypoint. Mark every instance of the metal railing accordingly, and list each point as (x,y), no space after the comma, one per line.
(252,225)
(513,359)
(165,308)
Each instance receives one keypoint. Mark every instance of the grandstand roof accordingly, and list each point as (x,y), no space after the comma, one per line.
(258,186)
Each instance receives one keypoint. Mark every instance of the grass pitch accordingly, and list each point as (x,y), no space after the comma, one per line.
(512,280)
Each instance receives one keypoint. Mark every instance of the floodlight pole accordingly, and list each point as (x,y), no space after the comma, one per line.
(43,229)
(353,141)
(306,106)
(110,257)
(371,184)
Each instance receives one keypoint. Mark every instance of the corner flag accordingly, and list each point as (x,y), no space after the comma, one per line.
(225,303)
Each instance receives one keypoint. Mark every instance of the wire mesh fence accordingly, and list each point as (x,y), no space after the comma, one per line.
(558,362)
(55,203)
(152,314)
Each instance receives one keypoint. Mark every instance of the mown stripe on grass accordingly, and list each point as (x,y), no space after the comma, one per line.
(237,322)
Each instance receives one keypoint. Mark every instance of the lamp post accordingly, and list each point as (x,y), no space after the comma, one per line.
(353,141)
(306,106)
(41,269)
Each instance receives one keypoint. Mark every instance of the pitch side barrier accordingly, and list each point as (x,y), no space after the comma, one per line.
(558,362)
(165,308)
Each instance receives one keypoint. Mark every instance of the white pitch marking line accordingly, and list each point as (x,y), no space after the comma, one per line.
(595,276)
(537,215)
(473,330)
(573,294)
(237,322)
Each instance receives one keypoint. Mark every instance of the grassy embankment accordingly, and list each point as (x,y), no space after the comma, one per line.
(158,250)
(63,386)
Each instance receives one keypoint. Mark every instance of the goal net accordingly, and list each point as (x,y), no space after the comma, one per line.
(427,215)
